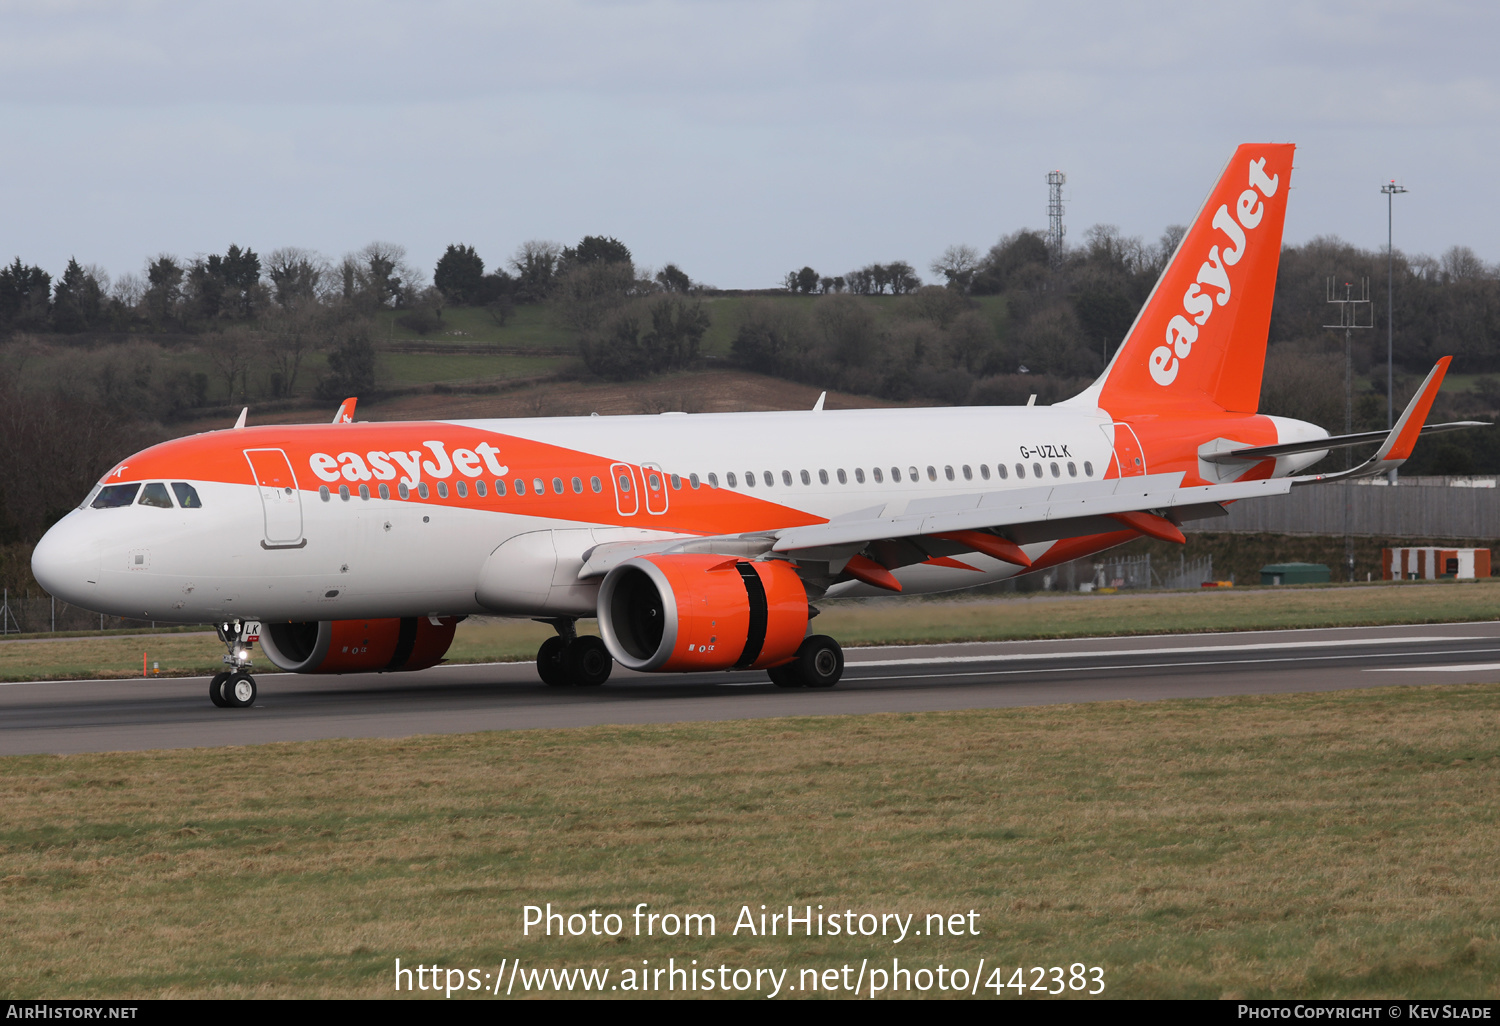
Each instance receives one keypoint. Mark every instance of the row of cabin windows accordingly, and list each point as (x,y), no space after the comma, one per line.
(461,489)
(152,493)
(538,485)
(912,474)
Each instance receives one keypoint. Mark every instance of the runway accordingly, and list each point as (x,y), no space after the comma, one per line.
(129,715)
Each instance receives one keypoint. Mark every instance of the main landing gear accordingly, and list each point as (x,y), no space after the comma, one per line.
(571,659)
(819,663)
(235,688)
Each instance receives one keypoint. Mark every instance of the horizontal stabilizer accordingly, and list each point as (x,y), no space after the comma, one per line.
(1268,452)
(1401,439)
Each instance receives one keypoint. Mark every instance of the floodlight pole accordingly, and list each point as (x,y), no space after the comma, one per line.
(1390,189)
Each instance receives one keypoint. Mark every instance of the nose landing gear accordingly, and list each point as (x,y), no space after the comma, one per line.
(571,659)
(235,688)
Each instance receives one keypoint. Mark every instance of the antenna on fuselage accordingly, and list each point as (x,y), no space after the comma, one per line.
(818,406)
(239,424)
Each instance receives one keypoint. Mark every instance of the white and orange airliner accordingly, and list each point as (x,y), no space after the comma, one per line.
(700,542)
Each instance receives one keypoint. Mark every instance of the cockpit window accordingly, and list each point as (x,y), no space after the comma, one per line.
(111,496)
(187,495)
(155,494)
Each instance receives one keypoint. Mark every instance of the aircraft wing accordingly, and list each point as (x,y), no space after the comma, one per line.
(867,544)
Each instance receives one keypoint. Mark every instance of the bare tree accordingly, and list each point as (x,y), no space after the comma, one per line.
(231,354)
(957,266)
(297,275)
(536,265)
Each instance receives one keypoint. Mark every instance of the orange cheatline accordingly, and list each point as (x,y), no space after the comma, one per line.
(1003,549)
(1151,525)
(872,573)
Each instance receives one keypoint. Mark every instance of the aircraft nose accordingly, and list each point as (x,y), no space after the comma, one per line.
(66,561)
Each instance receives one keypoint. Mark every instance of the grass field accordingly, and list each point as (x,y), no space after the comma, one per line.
(867,622)
(1286,846)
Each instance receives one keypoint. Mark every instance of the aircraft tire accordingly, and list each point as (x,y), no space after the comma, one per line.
(239,691)
(820,662)
(785,676)
(551,665)
(216,690)
(588,662)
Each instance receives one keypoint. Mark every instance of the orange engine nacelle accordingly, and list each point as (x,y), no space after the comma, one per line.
(358,646)
(687,612)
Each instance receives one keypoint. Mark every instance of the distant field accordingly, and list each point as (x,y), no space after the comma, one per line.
(868,622)
(1291,846)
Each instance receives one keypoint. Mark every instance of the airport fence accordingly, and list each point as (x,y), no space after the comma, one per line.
(1429,508)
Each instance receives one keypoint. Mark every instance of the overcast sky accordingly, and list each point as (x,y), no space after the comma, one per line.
(739,140)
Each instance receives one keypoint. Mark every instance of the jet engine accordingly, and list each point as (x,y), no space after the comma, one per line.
(358,646)
(685,612)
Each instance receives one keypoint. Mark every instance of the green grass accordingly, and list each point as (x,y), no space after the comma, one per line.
(428,368)
(1297,846)
(528,326)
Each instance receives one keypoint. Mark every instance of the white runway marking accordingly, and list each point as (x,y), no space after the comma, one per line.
(1182,650)
(1455,668)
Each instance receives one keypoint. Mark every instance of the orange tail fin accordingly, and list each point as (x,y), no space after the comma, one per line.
(1199,343)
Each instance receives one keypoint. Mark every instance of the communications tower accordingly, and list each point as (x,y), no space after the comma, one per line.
(1055,180)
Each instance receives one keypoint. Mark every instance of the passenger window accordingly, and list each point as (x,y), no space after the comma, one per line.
(786,478)
(596,484)
(948,473)
(1072,469)
(577,486)
(385,490)
(713,480)
(931,473)
(479,489)
(401,490)
(187,495)
(1056,471)
(823,477)
(843,477)
(1020,470)
(879,477)
(1036,470)
(984,471)
(676,482)
(538,487)
(750,479)
(520,485)
(461,488)
(557,486)
(442,490)
(1003,472)
(1088,469)
(769,478)
(364,491)
(113,496)
(859,475)
(499,487)
(155,494)
(693,481)
(968,474)
(731,479)
(344,491)
(896,474)
(806,478)
(912,473)
(421,489)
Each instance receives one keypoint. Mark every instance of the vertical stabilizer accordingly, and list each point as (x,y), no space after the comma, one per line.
(1199,343)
